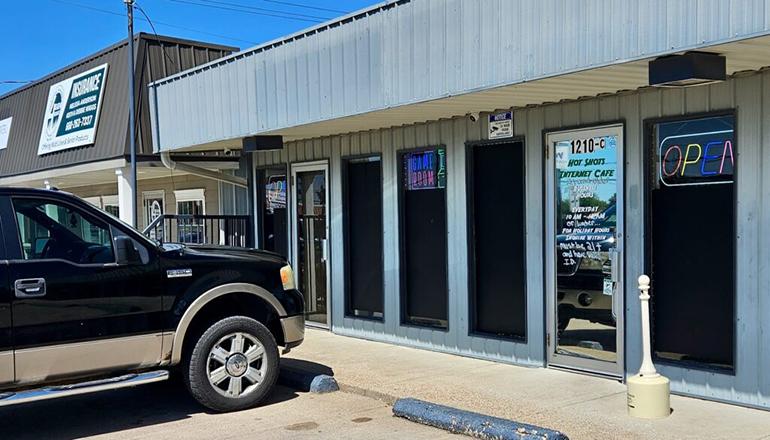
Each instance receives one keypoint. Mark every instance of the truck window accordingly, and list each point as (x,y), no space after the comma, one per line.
(49,230)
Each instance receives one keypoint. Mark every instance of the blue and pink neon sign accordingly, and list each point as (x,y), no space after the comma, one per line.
(425,169)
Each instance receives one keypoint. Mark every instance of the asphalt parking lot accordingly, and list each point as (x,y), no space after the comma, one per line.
(164,411)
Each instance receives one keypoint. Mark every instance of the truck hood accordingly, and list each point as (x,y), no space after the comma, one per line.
(226,251)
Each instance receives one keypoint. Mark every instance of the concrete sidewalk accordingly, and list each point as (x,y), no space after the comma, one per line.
(580,406)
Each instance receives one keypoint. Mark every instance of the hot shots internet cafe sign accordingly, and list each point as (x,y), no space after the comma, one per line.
(72,111)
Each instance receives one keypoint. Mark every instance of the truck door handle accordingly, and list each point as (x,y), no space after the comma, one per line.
(29,287)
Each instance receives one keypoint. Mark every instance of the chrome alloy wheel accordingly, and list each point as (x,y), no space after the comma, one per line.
(236,365)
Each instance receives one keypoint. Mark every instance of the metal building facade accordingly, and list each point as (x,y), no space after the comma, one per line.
(421,51)
(750,95)
(404,74)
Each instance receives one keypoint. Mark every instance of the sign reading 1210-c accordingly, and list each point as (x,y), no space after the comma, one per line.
(696,151)
(72,111)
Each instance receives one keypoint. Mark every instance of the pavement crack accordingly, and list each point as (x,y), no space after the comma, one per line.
(580,402)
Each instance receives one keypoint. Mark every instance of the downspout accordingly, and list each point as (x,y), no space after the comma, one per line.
(165,158)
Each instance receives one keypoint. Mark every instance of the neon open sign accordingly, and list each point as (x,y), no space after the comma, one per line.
(697,152)
(425,169)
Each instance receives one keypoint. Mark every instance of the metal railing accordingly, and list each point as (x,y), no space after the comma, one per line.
(228,230)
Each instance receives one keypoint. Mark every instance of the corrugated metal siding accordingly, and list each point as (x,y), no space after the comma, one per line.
(453,133)
(156,59)
(428,49)
(234,200)
(749,95)
(27,105)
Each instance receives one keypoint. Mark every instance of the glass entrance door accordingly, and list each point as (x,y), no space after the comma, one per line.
(310,231)
(584,236)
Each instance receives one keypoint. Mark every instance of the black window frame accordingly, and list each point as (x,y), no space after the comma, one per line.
(471,242)
(650,174)
(404,319)
(345,161)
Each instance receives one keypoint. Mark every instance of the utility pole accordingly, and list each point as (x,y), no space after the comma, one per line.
(131,104)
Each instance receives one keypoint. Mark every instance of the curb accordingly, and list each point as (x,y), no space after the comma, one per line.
(307,381)
(470,423)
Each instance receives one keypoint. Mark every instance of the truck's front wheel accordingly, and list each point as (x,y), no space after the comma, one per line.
(233,366)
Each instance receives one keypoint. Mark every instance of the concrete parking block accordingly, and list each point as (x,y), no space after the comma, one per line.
(470,423)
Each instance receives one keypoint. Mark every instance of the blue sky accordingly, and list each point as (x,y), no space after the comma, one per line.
(40,36)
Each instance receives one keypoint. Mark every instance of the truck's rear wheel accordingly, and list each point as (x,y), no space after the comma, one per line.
(233,366)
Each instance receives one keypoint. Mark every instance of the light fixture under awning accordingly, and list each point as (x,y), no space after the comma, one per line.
(688,69)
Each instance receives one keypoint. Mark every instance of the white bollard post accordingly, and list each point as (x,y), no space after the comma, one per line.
(648,391)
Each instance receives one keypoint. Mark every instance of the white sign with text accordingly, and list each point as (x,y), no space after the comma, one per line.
(72,111)
(5,132)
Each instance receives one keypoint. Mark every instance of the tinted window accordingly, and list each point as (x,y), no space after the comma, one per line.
(693,238)
(423,230)
(362,219)
(50,230)
(497,242)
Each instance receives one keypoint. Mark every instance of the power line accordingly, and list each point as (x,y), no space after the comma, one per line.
(255,8)
(299,5)
(161,23)
(162,49)
(16,81)
(267,14)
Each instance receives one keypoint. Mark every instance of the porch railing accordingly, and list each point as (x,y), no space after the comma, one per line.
(228,230)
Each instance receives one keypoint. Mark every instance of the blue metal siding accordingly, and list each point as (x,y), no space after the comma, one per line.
(427,49)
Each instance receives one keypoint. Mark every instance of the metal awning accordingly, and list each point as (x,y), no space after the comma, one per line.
(745,55)
(102,172)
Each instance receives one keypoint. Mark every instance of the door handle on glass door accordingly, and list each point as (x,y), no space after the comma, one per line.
(324,250)
(614,278)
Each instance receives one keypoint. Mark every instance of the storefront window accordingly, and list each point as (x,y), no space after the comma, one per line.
(692,234)
(273,215)
(496,207)
(423,230)
(363,240)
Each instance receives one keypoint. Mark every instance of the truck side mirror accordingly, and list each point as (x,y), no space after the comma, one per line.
(126,252)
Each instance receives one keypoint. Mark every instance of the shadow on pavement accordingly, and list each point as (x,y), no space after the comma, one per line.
(107,412)
(306,366)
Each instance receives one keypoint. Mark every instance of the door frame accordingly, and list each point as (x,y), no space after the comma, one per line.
(554,360)
(294,168)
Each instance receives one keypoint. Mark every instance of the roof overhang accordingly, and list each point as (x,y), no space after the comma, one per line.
(744,55)
(103,172)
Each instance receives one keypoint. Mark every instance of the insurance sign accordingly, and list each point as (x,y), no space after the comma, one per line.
(72,111)
(5,132)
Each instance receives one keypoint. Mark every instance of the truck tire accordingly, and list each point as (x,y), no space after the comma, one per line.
(233,365)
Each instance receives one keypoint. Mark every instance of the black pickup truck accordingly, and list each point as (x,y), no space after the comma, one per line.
(88,303)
